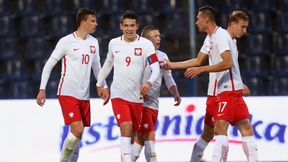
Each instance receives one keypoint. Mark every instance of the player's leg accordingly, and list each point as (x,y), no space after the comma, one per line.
(71,141)
(221,147)
(150,152)
(208,131)
(75,154)
(126,131)
(244,126)
(71,108)
(201,143)
(149,119)
(86,118)
(128,116)
(248,142)
(137,146)
(122,114)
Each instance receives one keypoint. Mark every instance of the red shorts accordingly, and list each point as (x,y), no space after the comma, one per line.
(127,111)
(211,107)
(231,107)
(149,119)
(74,109)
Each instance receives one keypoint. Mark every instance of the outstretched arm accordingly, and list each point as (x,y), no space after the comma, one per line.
(225,64)
(200,60)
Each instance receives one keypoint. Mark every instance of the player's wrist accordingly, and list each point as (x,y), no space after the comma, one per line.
(149,83)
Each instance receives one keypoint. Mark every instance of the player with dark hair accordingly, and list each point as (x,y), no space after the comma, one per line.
(79,52)
(128,54)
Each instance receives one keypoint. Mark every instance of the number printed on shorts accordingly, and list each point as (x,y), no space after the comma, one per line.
(128,60)
(85,58)
(222,106)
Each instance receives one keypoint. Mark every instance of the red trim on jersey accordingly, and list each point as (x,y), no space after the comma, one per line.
(74,34)
(62,80)
(215,86)
(152,58)
(232,81)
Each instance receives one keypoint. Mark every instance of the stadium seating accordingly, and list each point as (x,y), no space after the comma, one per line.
(30,29)
(280,44)
(37,48)
(32,26)
(258,44)
(260,22)
(8,50)
(4,8)
(26,7)
(62,25)
(8,26)
(282,18)
(14,69)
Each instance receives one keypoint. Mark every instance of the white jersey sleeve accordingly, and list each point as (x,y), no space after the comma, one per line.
(51,62)
(154,93)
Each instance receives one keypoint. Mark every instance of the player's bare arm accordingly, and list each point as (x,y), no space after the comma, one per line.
(246,90)
(200,60)
(41,97)
(174,91)
(225,64)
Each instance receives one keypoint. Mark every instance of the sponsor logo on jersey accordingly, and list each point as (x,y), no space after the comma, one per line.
(138,51)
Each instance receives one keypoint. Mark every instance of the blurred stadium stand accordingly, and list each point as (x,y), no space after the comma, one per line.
(30,29)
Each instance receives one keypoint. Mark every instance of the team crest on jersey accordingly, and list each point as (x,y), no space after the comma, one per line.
(92,49)
(137,51)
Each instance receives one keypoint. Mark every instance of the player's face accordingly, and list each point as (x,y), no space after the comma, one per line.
(90,24)
(201,22)
(129,28)
(154,37)
(240,28)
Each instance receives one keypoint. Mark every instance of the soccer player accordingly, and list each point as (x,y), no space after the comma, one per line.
(128,54)
(151,104)
(217,47)
(78,52)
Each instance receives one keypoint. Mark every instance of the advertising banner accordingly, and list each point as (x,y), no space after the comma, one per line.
(30,133)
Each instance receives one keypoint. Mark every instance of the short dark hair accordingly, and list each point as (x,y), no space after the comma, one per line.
(128,14)
(209,11)
(147,29)
(82,14)
(238,15)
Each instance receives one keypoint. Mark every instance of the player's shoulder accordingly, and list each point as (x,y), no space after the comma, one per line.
(222,32)
(66,39)
(161,54)
(144,40)
(116,40)
(92,38)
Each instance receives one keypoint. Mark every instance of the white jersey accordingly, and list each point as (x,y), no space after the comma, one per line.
(78,56)
(128,59)
(154,93)
(219,42)
(212,84)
